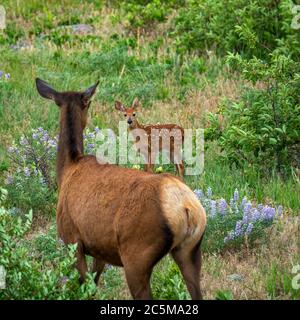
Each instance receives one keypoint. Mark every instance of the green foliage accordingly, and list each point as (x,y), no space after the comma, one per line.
(252,28)
(263,128)
(169,284)
(144,13)
(39,269)
(224,295)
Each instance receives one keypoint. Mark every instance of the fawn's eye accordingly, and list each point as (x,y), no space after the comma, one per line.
(125,115)
(134,114)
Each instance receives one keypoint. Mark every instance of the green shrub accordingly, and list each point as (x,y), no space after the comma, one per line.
(38,269)
(252,28)
(263,128)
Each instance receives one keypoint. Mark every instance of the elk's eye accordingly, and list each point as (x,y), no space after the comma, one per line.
(125,115)
(134,114)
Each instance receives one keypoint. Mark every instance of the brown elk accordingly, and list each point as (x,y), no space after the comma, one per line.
(172,132)
(120,216)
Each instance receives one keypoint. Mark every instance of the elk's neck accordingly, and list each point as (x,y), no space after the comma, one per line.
(70,144)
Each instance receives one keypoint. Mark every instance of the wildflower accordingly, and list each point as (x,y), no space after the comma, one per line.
(27,172)
(198,193)
(52,143)
(236,195)
(7,76)
(222,206)
(45,136)
(255,215)
(34,136)
(91,135)
(23,141)
(238,228)
(209,192)
(213,208)
(91,146)
(244,201)
(1,73)
(249,228)
(279,210)
(9,180)
(97,130)
(268,213)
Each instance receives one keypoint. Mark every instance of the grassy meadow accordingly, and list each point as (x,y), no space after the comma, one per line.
(137,56)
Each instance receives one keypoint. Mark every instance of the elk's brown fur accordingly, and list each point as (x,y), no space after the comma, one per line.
(167,131)
(121,216)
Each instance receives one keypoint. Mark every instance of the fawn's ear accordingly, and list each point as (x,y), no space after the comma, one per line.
(88,94)
(135,103)
(45,90)
(119,106)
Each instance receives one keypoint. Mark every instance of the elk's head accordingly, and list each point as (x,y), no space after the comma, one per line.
(129,113)
(69,102)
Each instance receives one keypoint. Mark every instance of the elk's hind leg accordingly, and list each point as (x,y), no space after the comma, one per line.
(98,266)
(81,261)
(189,262)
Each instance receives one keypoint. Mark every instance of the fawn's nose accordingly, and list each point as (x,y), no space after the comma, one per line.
(129,121)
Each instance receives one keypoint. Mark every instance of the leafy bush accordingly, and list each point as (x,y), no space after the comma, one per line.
(252,28)
(263,128)
(145,13)
(31,179)
(37,271)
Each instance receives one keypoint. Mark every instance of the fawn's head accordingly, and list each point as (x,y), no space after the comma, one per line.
(129,113)
(75,103)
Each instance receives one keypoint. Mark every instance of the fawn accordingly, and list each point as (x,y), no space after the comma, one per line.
(157,132)
(121,216)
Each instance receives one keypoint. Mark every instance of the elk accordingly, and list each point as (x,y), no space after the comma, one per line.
(172,132)
(121,216)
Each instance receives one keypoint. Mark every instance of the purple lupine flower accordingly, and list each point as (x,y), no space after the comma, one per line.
(238,228)
(279,210)
(222,206)
(9,180)
(52,143)
(213,208)
(1,73)
(260,207)
(231,203)
(23,141)
(27,172)
(236,195)
(7,76)
(34,136)
(97,130)
(91,146)
(230,236)
(91,135)
(268,212)
(244,201)
(45,136)
(255,215)
(40,129)
(198,193)
(249,228)
(209,192)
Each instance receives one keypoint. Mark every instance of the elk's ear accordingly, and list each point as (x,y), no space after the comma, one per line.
(45,90)
(88,94)
(119,106)
(135,103)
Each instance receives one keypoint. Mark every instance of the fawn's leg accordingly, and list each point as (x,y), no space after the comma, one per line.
(81,261)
